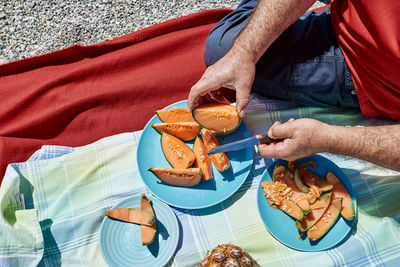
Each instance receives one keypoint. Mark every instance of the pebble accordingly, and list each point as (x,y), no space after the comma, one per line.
(30,28)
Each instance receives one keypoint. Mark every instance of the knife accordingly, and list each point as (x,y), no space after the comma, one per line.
(240,144)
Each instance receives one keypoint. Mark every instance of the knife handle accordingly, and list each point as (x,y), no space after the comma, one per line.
(265,139)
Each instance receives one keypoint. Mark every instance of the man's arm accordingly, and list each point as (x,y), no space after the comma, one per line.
(377,144)
(236,69)
(269,20)
(303,137)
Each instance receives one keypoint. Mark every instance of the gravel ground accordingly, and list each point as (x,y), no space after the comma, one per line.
(29,28)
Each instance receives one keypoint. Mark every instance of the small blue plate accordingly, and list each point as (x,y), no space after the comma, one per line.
(206,193)
(120,242)
(283,228)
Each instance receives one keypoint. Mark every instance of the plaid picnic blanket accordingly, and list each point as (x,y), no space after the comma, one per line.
(53,204)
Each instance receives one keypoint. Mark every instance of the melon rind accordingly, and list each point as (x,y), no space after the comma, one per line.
(320,182)
(339,190)
(299,183)
(326,222)
(145,229)
(311,218)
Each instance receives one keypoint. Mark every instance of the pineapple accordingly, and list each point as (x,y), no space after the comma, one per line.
(228,255)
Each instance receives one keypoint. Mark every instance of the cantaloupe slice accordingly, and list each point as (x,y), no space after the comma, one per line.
(175,115)
(185,131)
(177,153)
(220,160)
(132,215)
(340,191)
(273,193)
(221,118)
(317,210)
(281,173)
(311,178)
(327,220)
(202,160)
(178,177)
(148,232)
(305,179)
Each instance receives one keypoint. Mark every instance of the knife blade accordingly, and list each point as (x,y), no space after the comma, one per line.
(241,144)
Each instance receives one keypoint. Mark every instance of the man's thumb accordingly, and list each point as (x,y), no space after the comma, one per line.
(242,100)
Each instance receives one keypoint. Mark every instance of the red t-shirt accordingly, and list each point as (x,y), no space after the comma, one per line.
(368,32)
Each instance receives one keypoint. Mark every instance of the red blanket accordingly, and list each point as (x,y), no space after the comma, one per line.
(78,95)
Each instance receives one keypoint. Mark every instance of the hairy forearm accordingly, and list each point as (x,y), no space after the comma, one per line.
(378,144)
(269,20)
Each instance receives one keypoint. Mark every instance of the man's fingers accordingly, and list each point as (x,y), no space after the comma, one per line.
(201,88)
(273,150)
(279,131)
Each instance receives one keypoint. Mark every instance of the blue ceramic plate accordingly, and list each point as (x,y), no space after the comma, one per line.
(206,193)
(120,242)
(283,227)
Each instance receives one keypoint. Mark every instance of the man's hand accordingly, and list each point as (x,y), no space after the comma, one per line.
(302,137)
(234,71)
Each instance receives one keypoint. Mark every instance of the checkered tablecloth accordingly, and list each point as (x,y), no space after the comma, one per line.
(52,205)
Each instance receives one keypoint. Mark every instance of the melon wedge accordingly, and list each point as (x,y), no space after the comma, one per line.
(177,153)
(185,131)
(317,210)
(175,115)
(340,191)
(202,160)
(132,215)
(221,118)
(148,232)
(281,173)
(220,160)
(327,220)
(273,193)
(310,178)
(178,177)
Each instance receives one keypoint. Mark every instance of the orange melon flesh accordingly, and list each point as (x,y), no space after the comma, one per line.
(220,118)
(148,232)
(202,160)
(327,220)
(292,209)
(220,160)
(340,191)
(175,115)
(309,178)
(281,173)
(178,177)
(185,131)
(311,218)
(275,199)
(132,215)
(177,153)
